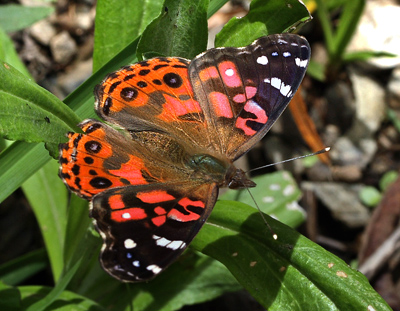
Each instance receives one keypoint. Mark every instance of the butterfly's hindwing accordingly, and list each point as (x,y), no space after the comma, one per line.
(146,228)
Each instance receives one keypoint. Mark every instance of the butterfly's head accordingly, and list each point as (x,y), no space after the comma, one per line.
(239,180)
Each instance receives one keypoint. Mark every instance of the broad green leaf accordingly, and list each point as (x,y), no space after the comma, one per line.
(193,279)
(276,194)
(16,17)
(118,23)
(48,197)
(180,30)
(30,113)
(9,55)
(264,18)
(10,298)
(66,301)
(17,270)
(290,273)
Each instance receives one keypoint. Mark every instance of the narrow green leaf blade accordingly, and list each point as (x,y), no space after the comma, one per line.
(180,30)
(118,23)
(365,55)
(15,271)
(54,294)
(17,163)
(10,298)
(350,16)
(264,18)
(66,301)
(48,197)
(291,273)
(16,17)
(9,55)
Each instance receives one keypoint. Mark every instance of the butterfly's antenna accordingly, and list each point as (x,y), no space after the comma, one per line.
(274,235)
(292,159)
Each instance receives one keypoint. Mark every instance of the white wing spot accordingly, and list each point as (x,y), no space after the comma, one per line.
(129,243)
(286,90)
(154,268)
(274,54)
(262,60)
(282,41)
(126,215)
(161,241)
(287,54)
(301,63)
(176,244)
(294,44)
(136,263)
(229,72)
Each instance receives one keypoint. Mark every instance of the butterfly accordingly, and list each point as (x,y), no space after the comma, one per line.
(176,127)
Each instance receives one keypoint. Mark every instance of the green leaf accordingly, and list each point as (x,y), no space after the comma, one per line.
(30,113)
(214,6)
(17,163)
(15,271)
(10,298)
(349,18)
(172,33)
(276,194)
(118,23)
(365,55)
(387,179)
(16,17)
(66,301)
(78,222)
(264,18)
(290,273)
(193,279)
(9,55)
(316,70)
(55,293)
(370,196)
(48,197)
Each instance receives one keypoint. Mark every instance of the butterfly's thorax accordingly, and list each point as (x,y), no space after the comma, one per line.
(224,173)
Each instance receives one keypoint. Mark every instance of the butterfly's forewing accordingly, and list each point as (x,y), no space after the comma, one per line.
(145,228)
(242,91)
(155,96)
